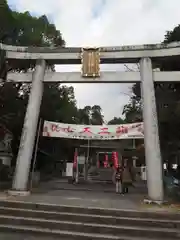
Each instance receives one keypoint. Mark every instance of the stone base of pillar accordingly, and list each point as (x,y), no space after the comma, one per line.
(154,202)
(18,193)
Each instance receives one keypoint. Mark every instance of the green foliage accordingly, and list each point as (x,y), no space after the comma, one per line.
(96,115)
(84,115)
(90,115)
(172,36)
(133,111)
(167,101)
(116,120)
(22,29)
(6,20)
(35,31)
(25,30)
(58,103)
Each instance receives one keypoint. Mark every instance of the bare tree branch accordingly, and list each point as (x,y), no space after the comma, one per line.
(131,69)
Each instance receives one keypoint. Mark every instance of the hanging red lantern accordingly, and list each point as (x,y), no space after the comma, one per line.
(115,159)
(106,161)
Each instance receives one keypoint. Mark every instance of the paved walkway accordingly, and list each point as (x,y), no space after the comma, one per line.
(86,195)
(94,187)
(91,195)
(85,199)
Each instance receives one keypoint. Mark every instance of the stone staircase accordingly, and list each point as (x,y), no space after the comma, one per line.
(70,222)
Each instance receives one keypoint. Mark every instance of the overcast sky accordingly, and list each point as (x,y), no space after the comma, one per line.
(106,23)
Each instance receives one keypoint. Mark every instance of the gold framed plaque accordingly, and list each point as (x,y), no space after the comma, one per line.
(90,60)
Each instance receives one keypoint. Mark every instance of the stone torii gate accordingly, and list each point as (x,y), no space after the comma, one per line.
(90,58)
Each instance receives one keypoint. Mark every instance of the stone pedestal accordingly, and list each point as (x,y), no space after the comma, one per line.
(18,193)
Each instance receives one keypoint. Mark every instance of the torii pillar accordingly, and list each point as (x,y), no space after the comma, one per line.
(151,134)
(21,176)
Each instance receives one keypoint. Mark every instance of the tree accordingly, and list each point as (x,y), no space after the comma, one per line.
(22,29)
(84,115)
(6,20)
(90,115)
(12,110)
(58,101)
(58,105)
(35,31)
(96,115)
(167,100)
(116,120)
(133,111)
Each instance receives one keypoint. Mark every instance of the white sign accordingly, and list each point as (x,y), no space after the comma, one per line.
(69,169)
(93,132)
(81,159)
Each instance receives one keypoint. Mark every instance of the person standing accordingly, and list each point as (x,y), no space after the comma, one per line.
(127,177)
(118,178)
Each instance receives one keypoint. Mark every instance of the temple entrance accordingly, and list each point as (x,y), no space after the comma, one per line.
(148,57)
(98,151)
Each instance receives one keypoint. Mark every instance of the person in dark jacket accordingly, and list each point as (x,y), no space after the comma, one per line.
(118,178)
(127,176)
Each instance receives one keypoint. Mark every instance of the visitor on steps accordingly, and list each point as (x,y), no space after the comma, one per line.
(118,178)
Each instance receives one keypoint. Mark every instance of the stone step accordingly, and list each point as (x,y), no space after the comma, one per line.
(72,222)
(90,218)
(89,228)
(168,215)
(68,235)
(25,232)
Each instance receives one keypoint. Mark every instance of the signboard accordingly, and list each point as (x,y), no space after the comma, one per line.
(93,132)
(90,59)
(81,160)
(69,169)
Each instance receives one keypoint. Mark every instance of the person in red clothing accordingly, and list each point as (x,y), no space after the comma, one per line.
(118,178)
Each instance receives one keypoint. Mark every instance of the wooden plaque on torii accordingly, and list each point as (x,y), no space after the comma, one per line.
(90,59)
